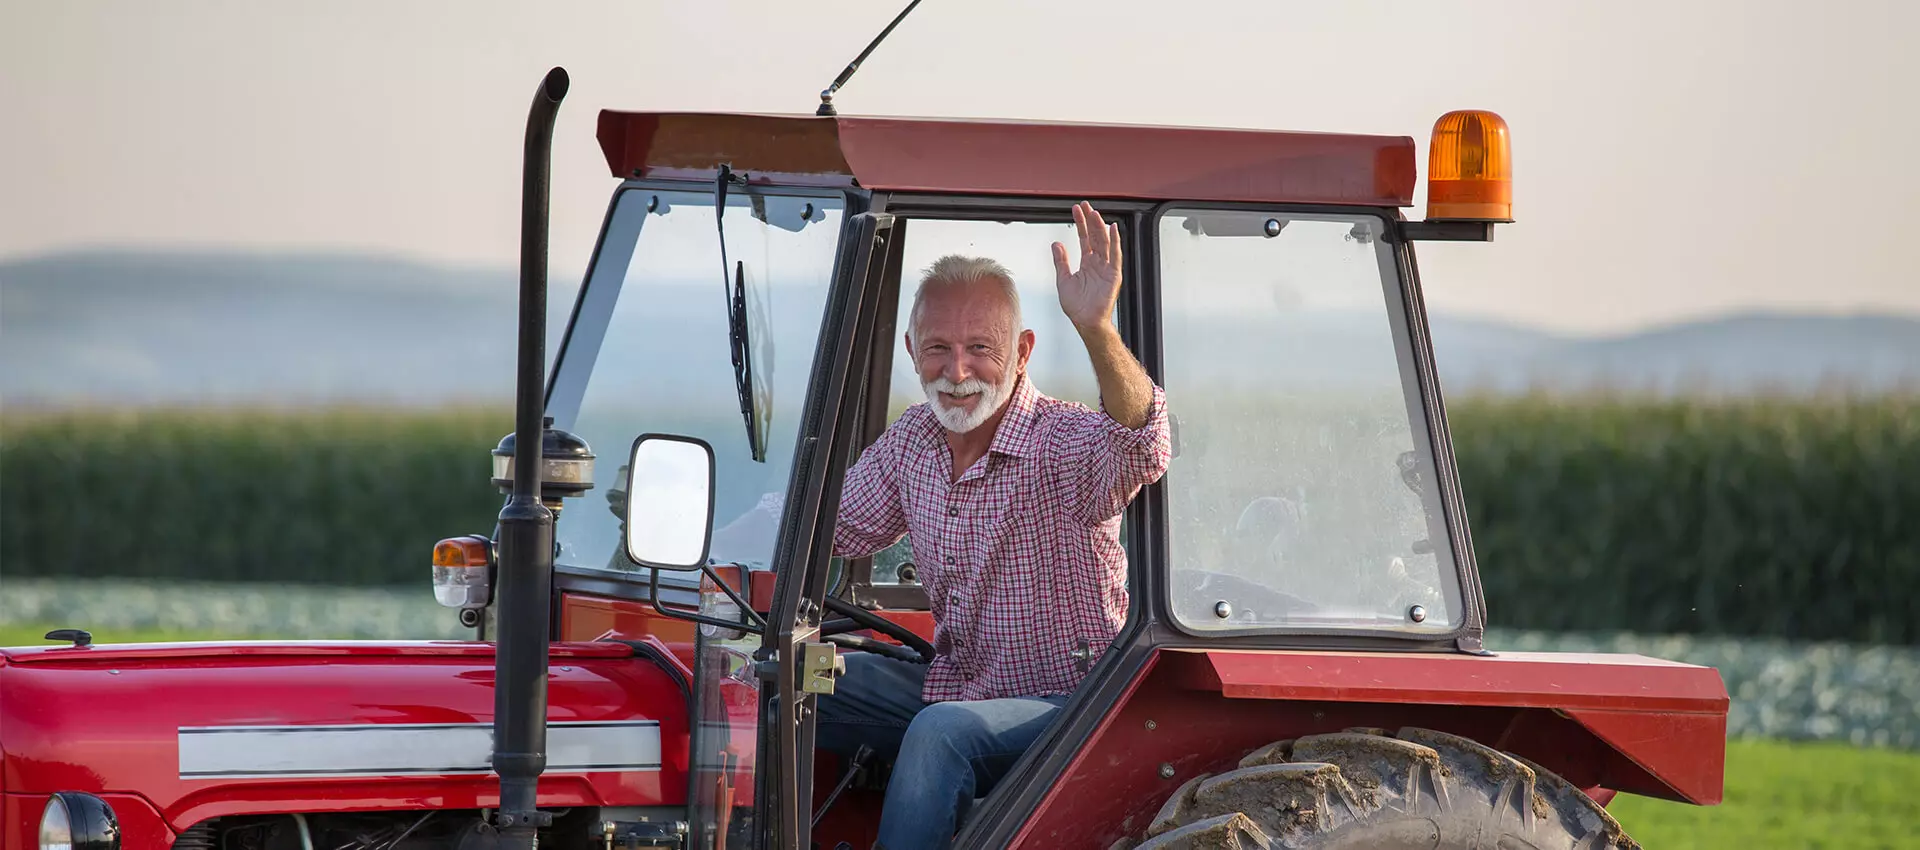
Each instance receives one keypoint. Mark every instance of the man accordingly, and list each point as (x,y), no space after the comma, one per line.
(1012,501)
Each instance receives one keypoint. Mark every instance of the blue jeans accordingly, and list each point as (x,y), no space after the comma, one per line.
(944,754)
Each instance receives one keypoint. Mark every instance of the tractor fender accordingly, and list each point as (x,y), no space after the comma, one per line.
(1604,723)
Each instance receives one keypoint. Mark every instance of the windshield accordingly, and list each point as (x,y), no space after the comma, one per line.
(1302,494)
(650,351)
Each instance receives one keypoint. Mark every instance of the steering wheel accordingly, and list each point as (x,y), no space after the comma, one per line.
(853,617)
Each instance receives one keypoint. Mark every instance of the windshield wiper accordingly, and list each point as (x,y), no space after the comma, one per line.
(733,287)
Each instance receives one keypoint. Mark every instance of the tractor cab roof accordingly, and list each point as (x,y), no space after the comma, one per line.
(1027,158)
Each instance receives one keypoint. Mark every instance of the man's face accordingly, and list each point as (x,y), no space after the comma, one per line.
(968,352)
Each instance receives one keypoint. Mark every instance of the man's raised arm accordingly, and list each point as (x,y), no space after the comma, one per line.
(1088,297)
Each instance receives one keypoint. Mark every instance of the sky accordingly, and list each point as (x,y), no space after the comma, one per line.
(1673,160)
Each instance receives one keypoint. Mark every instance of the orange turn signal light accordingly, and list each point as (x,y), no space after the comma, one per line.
(462,552)
(460,575)
(1470,168)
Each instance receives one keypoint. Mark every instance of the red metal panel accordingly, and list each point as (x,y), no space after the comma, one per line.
(919,622)
(1521,679)
(1662,745)
(763,148)
(107,720)
(1116,161)
(314,651)
(1176,713)
(1027,158)
(593,618)
(20,820)
(141,826)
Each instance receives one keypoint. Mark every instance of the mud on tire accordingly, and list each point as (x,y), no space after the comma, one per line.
(1364,788)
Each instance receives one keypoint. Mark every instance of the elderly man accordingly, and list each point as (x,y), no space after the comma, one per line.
(1012,501)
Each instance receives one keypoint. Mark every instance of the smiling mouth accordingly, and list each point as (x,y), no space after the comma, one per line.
(959,400)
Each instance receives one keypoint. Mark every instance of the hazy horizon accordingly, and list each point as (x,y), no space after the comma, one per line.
(564,286)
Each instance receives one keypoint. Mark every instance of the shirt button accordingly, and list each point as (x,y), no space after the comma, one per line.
(953,511)
(949,560)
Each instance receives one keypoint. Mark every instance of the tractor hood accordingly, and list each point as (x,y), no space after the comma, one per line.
(207,729)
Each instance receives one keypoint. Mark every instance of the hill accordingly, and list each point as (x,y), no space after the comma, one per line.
(180,328)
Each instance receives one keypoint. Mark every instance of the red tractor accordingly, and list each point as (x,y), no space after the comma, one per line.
(1301,665)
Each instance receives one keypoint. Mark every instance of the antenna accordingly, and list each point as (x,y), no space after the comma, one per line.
(826,109)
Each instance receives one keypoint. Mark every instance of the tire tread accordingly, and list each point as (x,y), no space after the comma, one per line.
(1413,787)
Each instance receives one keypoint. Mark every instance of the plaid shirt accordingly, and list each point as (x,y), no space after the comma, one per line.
(1021,556)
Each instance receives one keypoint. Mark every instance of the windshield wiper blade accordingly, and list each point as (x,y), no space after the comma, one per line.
(733,287)
(743,361)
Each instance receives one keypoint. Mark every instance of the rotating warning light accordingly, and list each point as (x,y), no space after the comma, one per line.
(1470,168)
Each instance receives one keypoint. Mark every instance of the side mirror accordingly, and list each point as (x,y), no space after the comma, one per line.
(669,502)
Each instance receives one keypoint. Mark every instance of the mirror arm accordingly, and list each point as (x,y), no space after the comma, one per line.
(756,626)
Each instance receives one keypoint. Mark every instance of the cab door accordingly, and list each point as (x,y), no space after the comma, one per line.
(792,650)
(709,315)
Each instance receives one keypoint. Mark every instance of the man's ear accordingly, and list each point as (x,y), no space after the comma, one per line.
(908,338)
(1026,348)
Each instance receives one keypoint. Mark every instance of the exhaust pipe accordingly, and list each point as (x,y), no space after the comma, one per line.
(526,526)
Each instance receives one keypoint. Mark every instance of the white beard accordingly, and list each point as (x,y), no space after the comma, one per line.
(960,420)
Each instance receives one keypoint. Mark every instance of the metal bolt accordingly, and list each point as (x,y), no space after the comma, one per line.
(1417,613)
(1273,227)
(1166,771)
(1152,726)
(653,204)
(1223,609)
(113,672)
(807,214)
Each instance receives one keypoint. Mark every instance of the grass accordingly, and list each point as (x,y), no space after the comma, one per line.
(1792,795)
(1778,794)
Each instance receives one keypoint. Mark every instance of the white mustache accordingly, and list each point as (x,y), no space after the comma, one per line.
(970,386)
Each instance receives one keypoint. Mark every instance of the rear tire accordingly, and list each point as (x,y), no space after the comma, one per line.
(1363,788)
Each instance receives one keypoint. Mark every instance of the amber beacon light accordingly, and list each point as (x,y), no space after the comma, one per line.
(1470,168)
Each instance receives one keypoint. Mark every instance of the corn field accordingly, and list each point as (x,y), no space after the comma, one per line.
(1759,517)
(1769,517)
(340,497)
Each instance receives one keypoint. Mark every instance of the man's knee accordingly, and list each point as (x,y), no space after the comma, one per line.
(982,729)
(948,724)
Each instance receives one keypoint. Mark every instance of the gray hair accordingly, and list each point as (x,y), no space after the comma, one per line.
(955,270)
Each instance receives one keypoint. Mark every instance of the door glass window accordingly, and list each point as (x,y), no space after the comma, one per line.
(1059,366)
(1302,494)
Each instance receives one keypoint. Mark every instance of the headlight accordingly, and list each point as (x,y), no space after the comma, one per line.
(76,821)
(56,829)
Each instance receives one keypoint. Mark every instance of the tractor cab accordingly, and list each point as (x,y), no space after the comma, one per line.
(1302,574)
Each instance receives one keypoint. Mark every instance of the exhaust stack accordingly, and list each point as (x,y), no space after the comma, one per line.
(526,525)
